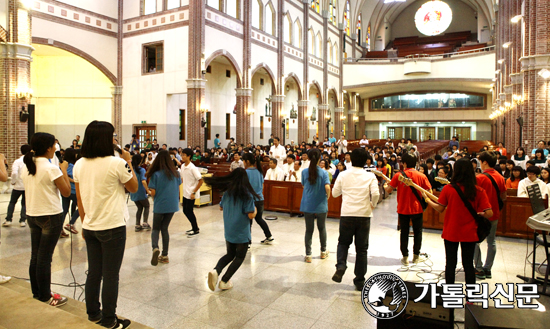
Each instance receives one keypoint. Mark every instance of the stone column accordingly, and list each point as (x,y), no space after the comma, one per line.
(196,82)
(277,102)
(338,112)
(116,91)
(244,104)
(303,122)
(15,85)
(353,43)
(322,121)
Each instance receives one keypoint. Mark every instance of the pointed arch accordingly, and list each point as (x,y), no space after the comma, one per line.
(329,51)
(311,38)
(257,14)
(269,72)
(287,28)
(270,19)
(333,89)
(319,45)
(231,59)
(336,54)
(346,19)
(297,30)
(297,80)
(318,86)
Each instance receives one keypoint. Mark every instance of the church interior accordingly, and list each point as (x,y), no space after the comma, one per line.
(209,74)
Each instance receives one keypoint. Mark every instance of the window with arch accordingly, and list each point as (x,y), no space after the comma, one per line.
(332,17)
(213,3)
(319,45)
(149,7)
(172,4)
(297,30)
(311,42)
(316,6)
(335,54)
(368,37)
(346,19)
(257,9)
(270,19)
(287,28)
(358,28)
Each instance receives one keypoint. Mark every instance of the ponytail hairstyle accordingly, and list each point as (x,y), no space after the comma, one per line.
(313,155)
(136,162)
(40,143)
(255,161)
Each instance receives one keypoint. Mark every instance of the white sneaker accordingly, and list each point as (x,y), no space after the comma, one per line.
(324,254)
(307,259)
(418,259)
(6,223)
(225,285)
(22,224)
(405,261)
(212,280)
(4,279)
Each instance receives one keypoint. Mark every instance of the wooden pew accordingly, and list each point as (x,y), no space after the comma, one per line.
(472,47)
(377,54)
(287,196)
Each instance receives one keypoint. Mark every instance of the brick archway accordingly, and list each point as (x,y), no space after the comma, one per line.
(269,72)
(297,80)
(231,59)
(79,53)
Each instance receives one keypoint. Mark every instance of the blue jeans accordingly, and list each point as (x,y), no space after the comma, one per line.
(105,254)
(45,231)
(15,194)
(310,227)
(350,228)
(491,249)
(160,225)
(74,212)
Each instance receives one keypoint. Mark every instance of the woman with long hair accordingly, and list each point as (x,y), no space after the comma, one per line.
(43,182)
(315,202)
(323,164)
(545,175)
(520,158)
(140,198)
(238,209)
(518,174)
(459,227)
(540,159)
(255,175)
(100,179)
(71,155)
(164,186)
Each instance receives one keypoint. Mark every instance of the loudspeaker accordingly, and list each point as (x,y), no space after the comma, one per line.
(420,314)
(23,115)
(477,317)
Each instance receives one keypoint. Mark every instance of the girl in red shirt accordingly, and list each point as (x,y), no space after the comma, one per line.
(517,175)
(459,226)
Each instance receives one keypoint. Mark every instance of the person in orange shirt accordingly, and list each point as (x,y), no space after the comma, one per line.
(517,175)
(501,149)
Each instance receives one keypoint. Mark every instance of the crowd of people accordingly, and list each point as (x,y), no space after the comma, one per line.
(94,176)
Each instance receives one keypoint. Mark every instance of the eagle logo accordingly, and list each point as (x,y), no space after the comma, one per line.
(385,295)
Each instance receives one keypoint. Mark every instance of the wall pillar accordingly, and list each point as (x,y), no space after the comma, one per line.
(116,114)
(303,122)
(196,83)
(338,113)
(277,102)
(244,103)
(322,121)
(15,58)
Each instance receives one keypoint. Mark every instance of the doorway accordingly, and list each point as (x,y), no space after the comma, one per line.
(427,134)
(462,133)
(395,132)
(145,132)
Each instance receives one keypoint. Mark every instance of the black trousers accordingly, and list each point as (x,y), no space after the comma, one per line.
(188,205)
(236,252)
(105,254)
(260,219)
(404,221)
(142,208)
(451,250)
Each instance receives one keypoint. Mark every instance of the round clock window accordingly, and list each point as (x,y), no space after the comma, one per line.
(433,18)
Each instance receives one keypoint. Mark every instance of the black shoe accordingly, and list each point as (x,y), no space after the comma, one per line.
(337,277)
(97,319)
(121,324)
(193,233)
(359,287)
(480,275)
(488,274)
(155,258)
(300,215)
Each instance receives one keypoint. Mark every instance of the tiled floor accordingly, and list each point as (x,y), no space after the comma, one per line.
(274,287)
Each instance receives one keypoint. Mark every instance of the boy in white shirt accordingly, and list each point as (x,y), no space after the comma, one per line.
(192,181)
(295,174)
(360,193)
(289,165)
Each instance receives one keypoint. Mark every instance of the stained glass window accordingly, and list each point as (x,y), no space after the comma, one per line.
(315,5)
(368,37)
(358,29)
(346,19)
(332,12)
(433,18)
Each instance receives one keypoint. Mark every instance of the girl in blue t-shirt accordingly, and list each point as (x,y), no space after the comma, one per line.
(238,210)
(140,198)
(164,184)
(315,202)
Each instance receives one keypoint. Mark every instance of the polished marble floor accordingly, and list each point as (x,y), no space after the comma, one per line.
(274,287)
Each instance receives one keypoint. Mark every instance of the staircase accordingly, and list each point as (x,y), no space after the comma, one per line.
(19,310)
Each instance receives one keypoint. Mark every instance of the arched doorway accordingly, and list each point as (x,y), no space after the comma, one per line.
(263,87)
(68,93)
